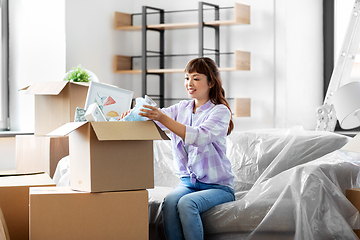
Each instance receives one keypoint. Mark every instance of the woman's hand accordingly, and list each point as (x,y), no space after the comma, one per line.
(124,114)
(156,114)
(151,112)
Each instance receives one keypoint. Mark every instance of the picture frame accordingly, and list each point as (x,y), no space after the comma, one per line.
(112,100)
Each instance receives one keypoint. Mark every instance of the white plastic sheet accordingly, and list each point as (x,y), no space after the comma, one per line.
(304,202)
(62,172)
(289,184)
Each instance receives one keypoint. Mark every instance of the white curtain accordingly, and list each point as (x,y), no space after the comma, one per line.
(4,83)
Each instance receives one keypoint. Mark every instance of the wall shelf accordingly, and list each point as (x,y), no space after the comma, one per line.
(241,16)
(123,65)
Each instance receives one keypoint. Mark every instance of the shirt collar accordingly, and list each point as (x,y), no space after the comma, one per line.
(202,108)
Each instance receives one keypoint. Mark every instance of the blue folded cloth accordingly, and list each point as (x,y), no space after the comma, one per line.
(134,113)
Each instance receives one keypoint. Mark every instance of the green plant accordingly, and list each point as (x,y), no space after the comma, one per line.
(78,74)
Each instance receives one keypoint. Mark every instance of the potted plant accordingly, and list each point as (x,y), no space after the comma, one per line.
(79,74)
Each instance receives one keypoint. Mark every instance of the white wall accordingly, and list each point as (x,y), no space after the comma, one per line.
(285,81)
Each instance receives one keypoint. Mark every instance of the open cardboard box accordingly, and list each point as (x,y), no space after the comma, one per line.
(55,103)
(14,200)
(111,156)
(40,153)
(58,213)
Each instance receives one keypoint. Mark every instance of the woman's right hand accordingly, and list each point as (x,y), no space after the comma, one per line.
(151,112)
(124,114)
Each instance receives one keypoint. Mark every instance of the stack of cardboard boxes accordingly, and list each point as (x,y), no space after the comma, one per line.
(111,168)
(55,105)
(37,155)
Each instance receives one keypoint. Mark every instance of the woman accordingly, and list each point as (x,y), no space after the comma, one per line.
(198,133)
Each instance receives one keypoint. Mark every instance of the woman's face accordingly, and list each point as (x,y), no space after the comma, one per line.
(197,86)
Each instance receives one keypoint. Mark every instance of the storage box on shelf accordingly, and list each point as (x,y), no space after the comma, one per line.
(14,200)
(111,156)
(60,213)
(55,103)
(40,153)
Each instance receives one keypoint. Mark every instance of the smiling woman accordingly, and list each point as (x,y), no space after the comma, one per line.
(4,66)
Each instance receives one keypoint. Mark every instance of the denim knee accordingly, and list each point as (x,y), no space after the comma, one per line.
(165,205)
(186,203)
(169,206)
(169,201)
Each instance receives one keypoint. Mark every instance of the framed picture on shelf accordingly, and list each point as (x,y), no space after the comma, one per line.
(112,100)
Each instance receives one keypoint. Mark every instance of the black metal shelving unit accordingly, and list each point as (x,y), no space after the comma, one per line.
(147,54)
(160,54)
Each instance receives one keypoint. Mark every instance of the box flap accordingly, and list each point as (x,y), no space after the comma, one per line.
(24,88)
(15,173)
(53,190)
(163,135)
(27,180)
(353,145)
(49,88)
(46,88)
(86,84)
(137,130)
(66,128)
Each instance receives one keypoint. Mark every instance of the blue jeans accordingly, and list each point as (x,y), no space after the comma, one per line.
(182,207)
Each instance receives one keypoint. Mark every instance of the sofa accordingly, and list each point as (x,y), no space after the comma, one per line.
(289,184)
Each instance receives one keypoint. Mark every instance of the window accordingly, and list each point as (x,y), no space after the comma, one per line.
(4,66)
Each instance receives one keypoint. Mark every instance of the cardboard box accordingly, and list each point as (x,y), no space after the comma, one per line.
(14,201)
(55,103)
(111,156)
(60,213)
(40,153)
(353,195)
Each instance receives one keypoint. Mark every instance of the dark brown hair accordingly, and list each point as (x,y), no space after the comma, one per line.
(208,67)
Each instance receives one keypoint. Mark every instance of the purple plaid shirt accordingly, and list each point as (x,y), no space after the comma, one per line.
(202,155)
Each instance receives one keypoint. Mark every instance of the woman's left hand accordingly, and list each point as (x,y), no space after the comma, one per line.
(151,112)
